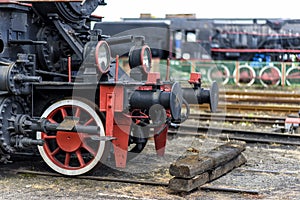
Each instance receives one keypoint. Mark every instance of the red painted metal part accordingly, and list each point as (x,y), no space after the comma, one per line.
(292,120)
(68,142)
(121,131)
(153,77)
(117,124)
(257,50)
(97,49)
(166,87)
(160,140)
(283,74)
(110,113)
(111,89)
(142,56)
(272,76)
(195,78)
(245,75)
(69,69)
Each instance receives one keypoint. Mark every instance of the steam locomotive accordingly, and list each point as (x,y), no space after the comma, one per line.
(64,92)
(244,50)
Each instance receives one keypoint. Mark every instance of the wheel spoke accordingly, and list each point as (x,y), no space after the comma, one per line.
(47,149)
(52,120)
(78,111)
(63,112)
(45,136)
(55,151)
(80,158)
(89,121)
(89,149)
(67,159)
(49,136)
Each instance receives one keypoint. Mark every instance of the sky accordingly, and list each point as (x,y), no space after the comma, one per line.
(115,10)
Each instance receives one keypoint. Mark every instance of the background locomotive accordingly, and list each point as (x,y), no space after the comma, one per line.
(62,90)
(264,51)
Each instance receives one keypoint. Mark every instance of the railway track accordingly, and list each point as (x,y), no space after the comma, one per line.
(237,134)
(260,96)
(218,187)
(206,187)
(237,118)
(255,101)
(250,107)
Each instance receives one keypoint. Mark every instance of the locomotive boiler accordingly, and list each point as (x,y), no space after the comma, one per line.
(62,91)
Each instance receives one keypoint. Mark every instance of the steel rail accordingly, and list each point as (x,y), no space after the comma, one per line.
(251,107)
(97,178)
(244,135)
(259,96)
(262,93)
(237,118)
(206,187)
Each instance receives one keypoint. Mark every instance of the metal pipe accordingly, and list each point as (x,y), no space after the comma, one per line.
(45,126)
(200,96)
(25,78)
(119,40)
(143,99)
(78,128)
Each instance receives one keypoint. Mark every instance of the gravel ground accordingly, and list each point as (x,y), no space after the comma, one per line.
(271,170)
(279,180)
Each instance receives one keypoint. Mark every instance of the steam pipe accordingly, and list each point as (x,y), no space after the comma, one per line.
(120,40)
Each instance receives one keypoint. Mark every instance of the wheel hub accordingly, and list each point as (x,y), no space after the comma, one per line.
(68,141)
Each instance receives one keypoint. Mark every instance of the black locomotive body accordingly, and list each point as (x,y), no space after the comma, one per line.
(242,52)
(61,89)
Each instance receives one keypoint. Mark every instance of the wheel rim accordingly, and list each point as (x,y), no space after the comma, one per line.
(246,72)
(220,73)
(269,75)
(293,76)
(72,153)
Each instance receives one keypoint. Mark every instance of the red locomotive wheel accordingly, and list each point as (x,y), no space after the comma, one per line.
(220,74)
(246,76)
(293,76)
(269,76)
(72,153)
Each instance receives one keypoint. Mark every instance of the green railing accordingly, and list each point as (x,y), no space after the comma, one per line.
(241,73)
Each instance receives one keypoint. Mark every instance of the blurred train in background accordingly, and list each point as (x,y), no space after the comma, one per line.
(243,52)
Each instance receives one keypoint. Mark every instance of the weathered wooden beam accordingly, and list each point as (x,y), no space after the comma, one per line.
(224,169)
(186,185)
(192,165)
